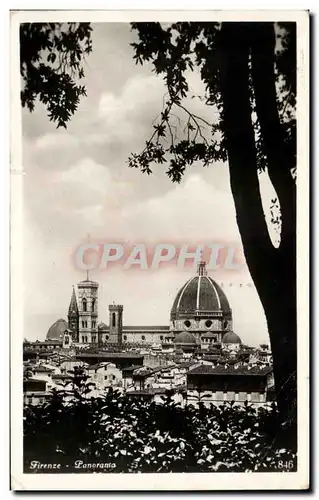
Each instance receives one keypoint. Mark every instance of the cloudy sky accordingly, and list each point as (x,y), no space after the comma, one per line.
(78,183)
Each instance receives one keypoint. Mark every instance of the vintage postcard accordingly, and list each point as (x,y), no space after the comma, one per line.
(159,250)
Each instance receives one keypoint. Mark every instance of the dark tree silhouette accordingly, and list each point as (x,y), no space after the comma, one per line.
(51,57)
(249,71)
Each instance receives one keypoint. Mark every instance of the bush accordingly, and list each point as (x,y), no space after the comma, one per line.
(139,436)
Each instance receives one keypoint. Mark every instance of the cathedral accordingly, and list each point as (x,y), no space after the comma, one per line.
(200,315)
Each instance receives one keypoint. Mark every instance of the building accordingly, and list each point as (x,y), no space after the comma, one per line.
(217,384)
(35,391)
(104,375)
(157,395)
(200,316)
(119,359)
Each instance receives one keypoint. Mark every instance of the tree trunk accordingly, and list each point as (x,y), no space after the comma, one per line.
(280,161)
(271,270)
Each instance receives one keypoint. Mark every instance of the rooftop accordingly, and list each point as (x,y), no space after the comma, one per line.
(130,368)
(149,391)
(123,355)
(62,376)
(147,328)
(230,370)
(42,369)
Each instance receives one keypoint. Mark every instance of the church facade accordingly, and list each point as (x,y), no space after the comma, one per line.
(200,314)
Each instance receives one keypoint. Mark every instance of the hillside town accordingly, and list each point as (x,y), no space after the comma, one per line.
(197,358)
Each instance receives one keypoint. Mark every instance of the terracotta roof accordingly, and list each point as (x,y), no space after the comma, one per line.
(38,394)
(62,376)
(146,328)
(34,380)
(97,366)
(130,368)
(211,357)
(123,355)
(42,369)
(149,391)
(229,370)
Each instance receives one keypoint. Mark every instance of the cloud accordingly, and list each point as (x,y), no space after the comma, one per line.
(78,182)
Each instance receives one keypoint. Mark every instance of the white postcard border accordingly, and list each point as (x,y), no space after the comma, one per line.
(172,481)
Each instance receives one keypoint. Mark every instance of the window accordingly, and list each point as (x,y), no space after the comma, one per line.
(255,398)
(187,323)
(94,339)
(84,305)
(125,337)
(113,377)
(82,324)
(93,305)
(143,337)
(83,339)
(93,324)
(161,337)
(105,377)
(113,320)
(230,396)
(66,340)
(242,396)
(219,396)
(208,323)
(107,337)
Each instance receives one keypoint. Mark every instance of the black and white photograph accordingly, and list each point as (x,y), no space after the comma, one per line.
(159,284)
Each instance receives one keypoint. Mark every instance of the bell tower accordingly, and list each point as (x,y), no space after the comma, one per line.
(116,323)
(73,317)
(88,311)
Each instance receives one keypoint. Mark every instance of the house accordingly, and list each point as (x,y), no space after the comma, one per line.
(46,345)
(42,372)
(157,395)
(68,364)
(34,391)
(62,381)
(104,375)
(216,384)
(120,359)
(36,398)
(127,376)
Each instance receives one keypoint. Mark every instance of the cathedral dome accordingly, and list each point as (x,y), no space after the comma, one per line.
(200,294)
(101,326)
(231,338)
(185,338)
(57,330)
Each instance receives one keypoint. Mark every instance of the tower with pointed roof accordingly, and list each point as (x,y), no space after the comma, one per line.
(73,317)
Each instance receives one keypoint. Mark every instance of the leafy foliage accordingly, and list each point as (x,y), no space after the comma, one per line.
(174,52)
(140,436)
(51,66)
